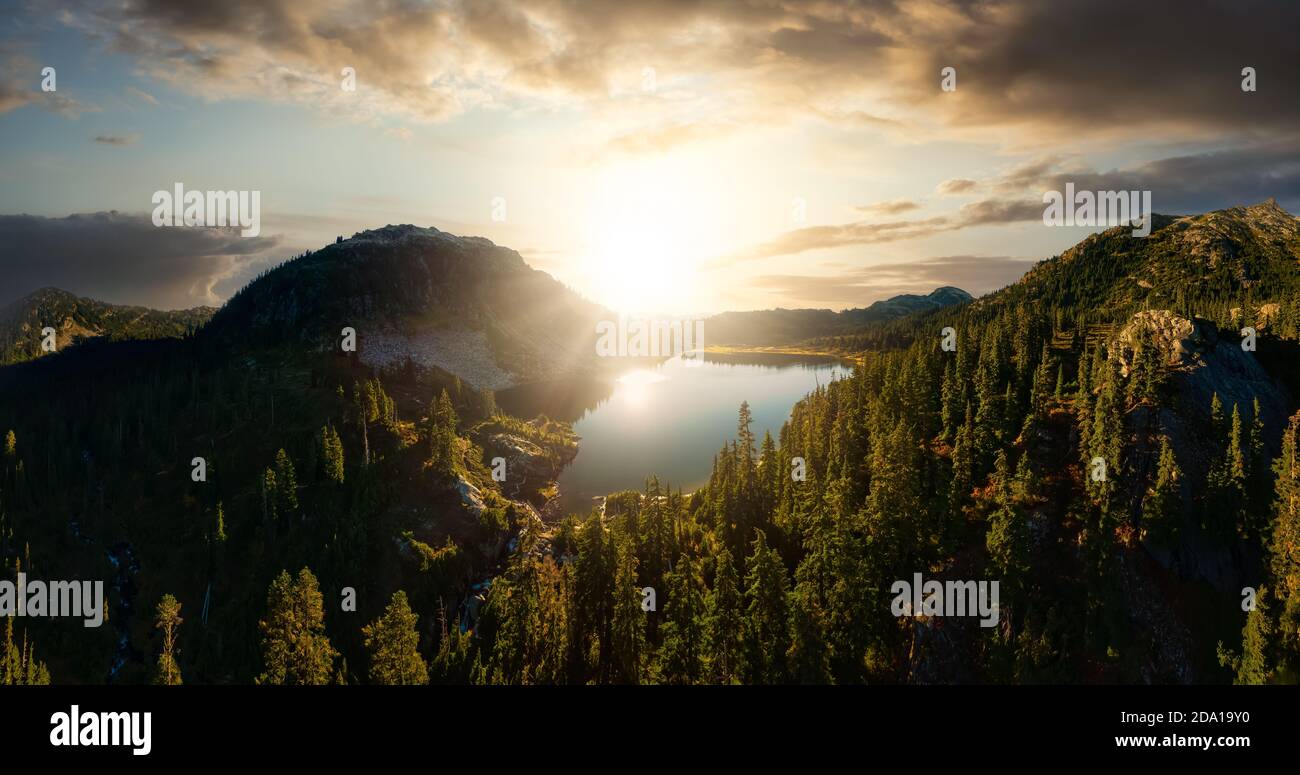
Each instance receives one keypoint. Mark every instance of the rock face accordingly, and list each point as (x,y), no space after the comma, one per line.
(459,351)
(1204,362)
(1201,362)
(470,496)
(529,467)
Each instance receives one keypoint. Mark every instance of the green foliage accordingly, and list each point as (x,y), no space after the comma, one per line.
(295,648)
(393,642)
(167,618)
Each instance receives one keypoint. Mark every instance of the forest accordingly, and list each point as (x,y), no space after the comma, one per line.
(1123,490)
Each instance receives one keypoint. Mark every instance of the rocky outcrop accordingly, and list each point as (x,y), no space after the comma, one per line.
(1200,362)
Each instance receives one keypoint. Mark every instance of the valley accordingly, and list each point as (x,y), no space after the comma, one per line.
(1097,443)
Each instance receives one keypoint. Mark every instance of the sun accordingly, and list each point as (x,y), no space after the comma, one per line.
(646,232)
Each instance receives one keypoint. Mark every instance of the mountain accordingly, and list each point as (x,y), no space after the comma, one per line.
(1217,258)
(1096,440)
(907,304)
(792,326)
(461,304)
(76,319)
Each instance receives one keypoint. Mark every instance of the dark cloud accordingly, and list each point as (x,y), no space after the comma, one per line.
(1089,66)
(859,286)
(1193,183)
(117,139)
(123,259)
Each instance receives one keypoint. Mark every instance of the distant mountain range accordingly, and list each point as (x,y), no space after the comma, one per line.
(790,326)
(76,318)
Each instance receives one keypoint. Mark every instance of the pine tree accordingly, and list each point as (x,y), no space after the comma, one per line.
(392,641)
(331,454)
(767,619)
(1284,548)
(809,654)
(167,618)
(1007,540)
(270,496)
(681,657)
(442,435)
(628,628)
(725,622)
(294,645)
(219,532)
(963,464)
(286,484)
(1162,506)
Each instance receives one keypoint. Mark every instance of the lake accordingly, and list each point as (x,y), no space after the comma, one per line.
(672,418)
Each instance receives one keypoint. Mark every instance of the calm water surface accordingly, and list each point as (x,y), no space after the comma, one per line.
(671,419)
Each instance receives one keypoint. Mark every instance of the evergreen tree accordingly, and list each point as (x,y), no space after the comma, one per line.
(167,618)
(330,454)
(767,636)
(295,648)
(681,658)
(1284,549)
(725,622)
(1162,506)
(286,484)
(219,532)
(442,435)
(628,628)
(393,642)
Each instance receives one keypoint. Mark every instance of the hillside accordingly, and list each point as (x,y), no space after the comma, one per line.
(76,319)
(461,304)
(792,326)
(1098,443)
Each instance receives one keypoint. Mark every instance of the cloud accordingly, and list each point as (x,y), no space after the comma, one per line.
(123,258)
(142,95)
(1191,183)
(895,207)
(17,91)
(955,186)
(859,286)
(130,139)
(875,62)
(982,213)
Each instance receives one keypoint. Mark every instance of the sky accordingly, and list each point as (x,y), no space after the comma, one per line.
(674,157)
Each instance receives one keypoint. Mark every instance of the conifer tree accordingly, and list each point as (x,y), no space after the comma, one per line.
(295,648)
(1284,548)
(219,532)
(681,658)
(1162,506)
(286,484)
(331,454)
(628,627)
(767,636)
(442,435)
(392,641)
(167,618)
(725,621)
